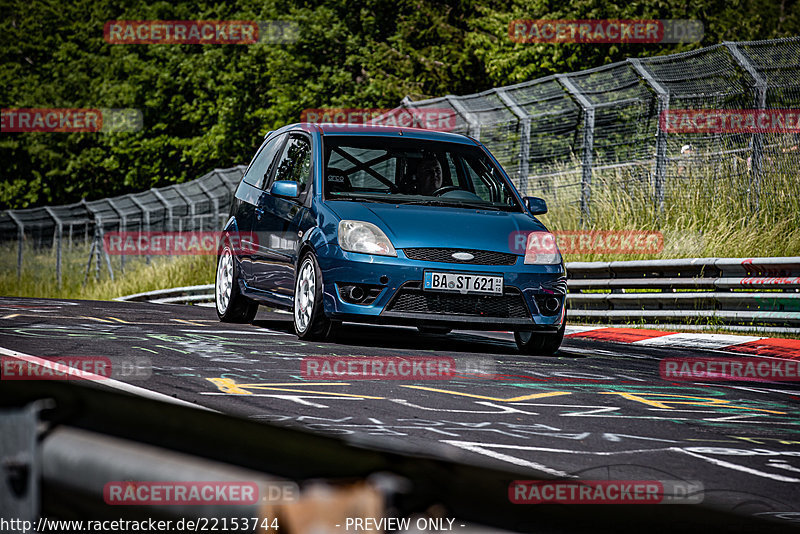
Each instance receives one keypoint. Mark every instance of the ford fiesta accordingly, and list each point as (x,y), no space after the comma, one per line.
(388,226)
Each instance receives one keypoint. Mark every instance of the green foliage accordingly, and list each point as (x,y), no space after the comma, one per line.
(38,278)
(207,106)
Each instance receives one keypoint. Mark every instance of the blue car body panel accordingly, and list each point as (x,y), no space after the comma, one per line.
(283,230)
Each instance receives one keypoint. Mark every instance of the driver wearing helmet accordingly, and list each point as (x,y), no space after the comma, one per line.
(429,176)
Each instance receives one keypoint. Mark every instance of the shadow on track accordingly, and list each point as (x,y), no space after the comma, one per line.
(404,338)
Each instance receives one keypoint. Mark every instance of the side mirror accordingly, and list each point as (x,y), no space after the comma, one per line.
(536,205)
(284,188)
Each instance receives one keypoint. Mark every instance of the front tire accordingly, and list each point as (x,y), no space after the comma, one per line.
(538,344)
(231,305)
(310,321)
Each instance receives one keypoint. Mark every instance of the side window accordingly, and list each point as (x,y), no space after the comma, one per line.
(487,186)
(294,163)
(258,172)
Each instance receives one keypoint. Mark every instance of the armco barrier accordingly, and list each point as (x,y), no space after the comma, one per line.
(729,291)
(175,295)
(738,292)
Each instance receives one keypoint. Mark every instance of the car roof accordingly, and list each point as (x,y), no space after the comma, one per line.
(378,131)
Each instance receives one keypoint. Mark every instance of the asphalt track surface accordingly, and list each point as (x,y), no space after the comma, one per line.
(597,410)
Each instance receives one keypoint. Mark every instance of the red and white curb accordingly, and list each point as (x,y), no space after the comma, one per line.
(764,346)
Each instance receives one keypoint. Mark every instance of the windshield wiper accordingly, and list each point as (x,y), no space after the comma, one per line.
(359,198)
(458,204)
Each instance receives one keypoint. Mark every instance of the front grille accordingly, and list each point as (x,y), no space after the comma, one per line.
(412,300)
(445,255)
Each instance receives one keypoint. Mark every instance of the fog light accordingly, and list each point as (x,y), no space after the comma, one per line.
(359,293)
(548,304)
(356,294)
(551,304)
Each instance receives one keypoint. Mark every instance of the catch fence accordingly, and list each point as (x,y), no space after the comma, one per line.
(597,133)
(199,205)
(578,139)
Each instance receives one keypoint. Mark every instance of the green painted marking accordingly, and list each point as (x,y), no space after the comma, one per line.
(172,348)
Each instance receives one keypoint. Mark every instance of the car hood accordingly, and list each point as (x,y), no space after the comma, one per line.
(411,226)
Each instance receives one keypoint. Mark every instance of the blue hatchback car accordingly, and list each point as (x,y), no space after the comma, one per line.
(388,225)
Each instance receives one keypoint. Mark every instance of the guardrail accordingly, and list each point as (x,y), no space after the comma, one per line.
(737,293)
(176,295)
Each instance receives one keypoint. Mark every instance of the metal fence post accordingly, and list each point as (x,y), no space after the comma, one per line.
(59,233)
(167,205)
(20,241)
(588,146)
(660,164)
(146,220)
(474,124)
(123,228)
(102,245)
(191,207)
(525,139)
(758,138)
(91,257)
(214,200)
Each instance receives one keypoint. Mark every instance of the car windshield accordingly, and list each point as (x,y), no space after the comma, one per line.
(414,171)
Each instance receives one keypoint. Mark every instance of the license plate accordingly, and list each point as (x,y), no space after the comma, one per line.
(463,283)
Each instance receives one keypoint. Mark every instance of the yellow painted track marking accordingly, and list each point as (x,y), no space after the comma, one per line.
(193,323)
(95,319)
(227,385)
(496,399)
(119,320)
(664,403)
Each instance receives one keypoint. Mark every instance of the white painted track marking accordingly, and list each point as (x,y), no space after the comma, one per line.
(696,341)
(91,377)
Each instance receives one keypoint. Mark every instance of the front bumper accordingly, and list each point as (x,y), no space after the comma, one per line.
(402,301)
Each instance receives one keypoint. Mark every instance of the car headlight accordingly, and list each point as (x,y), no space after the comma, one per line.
(360,236)
(541,249)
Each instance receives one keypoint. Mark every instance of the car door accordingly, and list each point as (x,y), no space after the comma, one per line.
(247,199)
(276,226)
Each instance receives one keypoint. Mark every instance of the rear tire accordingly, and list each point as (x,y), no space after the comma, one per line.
(538,344)
(310,321)
(231,305)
